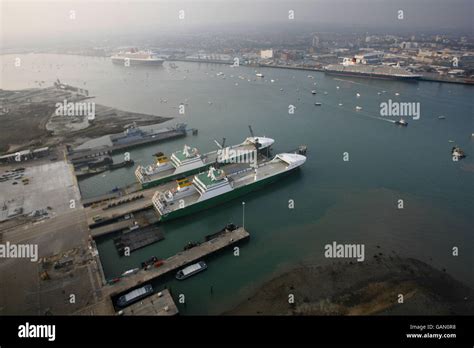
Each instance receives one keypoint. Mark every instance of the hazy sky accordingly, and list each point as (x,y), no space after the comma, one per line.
(52,19)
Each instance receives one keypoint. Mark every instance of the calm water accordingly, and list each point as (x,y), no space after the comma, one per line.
(354,201)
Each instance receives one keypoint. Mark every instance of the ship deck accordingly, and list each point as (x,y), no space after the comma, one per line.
(177,261)
(237,179)
(112,214)
(208,158)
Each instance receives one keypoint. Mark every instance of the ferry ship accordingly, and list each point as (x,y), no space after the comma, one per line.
(135,57)
(215,186)
(350,68)
(188,161)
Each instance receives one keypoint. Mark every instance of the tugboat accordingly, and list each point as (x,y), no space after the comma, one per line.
(191,270)
(401,122)
(457,153)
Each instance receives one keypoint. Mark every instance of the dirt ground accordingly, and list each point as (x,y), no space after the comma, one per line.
(362,288)
(26,114)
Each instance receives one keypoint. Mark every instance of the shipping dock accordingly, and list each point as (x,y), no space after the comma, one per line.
(135,137)
(224,240)
(100,157)
(137,239)
(190,161)
(218,185)
(113,208)
(161,303)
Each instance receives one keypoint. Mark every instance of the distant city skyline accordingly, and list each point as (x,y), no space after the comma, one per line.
(37,21)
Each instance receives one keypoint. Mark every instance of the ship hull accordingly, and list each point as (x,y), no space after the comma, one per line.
(372,76)
(147,62)
(182,175)
(199,206)
(121,145)
(165,179)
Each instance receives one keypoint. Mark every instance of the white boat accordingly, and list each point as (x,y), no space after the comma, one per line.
(191,270)
(313,91)
(130,272)
(189,161)
(401,122)
(215,186)
(259,75)
(135,295)
(134,57)
(358,108)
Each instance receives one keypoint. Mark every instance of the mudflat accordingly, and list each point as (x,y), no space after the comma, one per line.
(385,285)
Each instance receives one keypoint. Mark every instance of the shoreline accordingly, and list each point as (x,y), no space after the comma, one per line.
(33,109)
(361,288)
(424,78)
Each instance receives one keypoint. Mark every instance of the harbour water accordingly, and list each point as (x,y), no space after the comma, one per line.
(352,201)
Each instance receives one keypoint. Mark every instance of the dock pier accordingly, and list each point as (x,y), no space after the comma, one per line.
(161,303)
(181,259)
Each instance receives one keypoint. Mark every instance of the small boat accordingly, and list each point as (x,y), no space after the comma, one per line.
(401,122)
(259,75)
(340,104)
(191,270)
(441,117)
(457,153)
(397,94)
(358,108)
(337,87)
(357,95)
(149,262)
(317,104)
(130,272)
(272,81)
(325,93)
(281,89)
(135,295)
(313,92)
